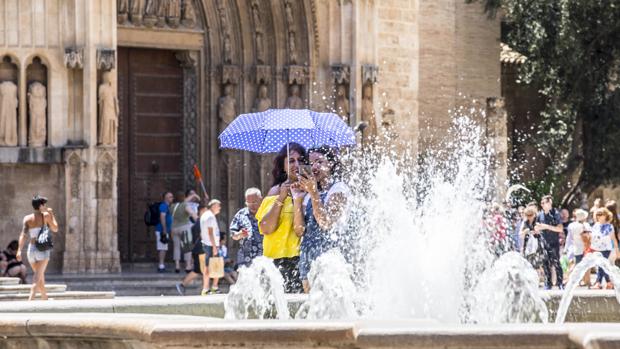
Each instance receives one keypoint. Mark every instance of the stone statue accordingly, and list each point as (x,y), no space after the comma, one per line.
(37,106)
(135,12)
(226,107)
(262,102)
(173,13)
(150,12)
(342,102)
(188,18)
(292,47)
(258,29)
(227,49)
(108,111)
(122,9)
(368,114)
(161,12)
(288,9)
(8,114)
(294,101)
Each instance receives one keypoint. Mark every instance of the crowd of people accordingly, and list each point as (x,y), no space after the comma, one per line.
(554,240)
(292,225)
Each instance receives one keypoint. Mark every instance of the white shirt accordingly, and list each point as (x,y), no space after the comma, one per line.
(574,231)
(208,220)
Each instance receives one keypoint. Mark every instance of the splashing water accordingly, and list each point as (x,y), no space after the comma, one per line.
(259,292)
(333,293)
(588,262)
(508,292)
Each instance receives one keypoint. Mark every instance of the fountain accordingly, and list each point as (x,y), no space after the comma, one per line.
(588,262)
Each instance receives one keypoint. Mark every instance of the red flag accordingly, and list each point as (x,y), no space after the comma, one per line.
(197,173)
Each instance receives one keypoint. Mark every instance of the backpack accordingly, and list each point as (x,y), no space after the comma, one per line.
(151,215)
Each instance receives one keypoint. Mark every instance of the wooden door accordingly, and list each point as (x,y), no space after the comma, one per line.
(150,86)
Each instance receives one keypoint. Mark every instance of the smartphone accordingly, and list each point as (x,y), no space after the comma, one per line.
(305,170)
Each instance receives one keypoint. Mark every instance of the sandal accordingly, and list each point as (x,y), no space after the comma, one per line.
(597,286)
(609,286)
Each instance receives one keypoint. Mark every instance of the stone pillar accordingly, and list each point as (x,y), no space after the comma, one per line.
(497,139)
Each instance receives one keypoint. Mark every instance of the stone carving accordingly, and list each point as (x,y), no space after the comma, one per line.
(297,74)
(368,114)
(106,59)
(108,111)
(74,58)
(226,107)
(188,59)
(188,19)
(105,177)
(190,116)
(369,73)
(342,102)
(75,167)
(135,12)
(291,36)
(262,102)
(294,100)
(37,110)
(231,74)
(150,13)
(341,73)
(263,74)
(173,13)
(258,32)
(8,114)
(122,9)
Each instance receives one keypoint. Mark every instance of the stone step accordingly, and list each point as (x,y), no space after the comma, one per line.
(59,295)
(25,289)
(8,281)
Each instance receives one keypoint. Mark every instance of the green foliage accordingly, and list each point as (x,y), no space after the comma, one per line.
(573,53)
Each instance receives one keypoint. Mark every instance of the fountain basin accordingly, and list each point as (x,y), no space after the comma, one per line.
(90,330)
(587,306)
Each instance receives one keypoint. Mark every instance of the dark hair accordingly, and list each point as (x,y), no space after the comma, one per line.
(13,245)
(547,198)
(163,195)
(188,192)
(180,196)
(612,206)
(38,201)
(279,167)
(331,154)
(201,206)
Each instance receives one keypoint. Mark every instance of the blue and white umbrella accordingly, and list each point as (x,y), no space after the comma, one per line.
(269,131)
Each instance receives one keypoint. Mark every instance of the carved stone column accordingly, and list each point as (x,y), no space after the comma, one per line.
(189,62)
(231,159)
(297,75)
(497,138)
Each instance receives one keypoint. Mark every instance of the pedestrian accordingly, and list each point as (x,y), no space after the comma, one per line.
(565,217)
(612,206)
(517,240)
(33,225)
(603,241)
(197,250)
(10,266)
(244,228)
(182,216)
(163,229)
(575,246)
(323,208)
(210,235)
(533,244)
(550,225)
(280,227)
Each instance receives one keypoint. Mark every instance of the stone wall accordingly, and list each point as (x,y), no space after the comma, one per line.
(19,183)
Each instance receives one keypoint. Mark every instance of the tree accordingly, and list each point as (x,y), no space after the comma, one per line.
(573,53)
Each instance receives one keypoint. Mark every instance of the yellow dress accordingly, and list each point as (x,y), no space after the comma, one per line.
(282,243)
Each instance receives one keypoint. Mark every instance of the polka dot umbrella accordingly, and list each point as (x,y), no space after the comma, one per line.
(269,131)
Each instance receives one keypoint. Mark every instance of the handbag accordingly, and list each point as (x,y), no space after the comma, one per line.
(216,267)
(187,244)
(44,241)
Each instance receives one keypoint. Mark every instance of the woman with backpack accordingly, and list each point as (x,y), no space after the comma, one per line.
(533,243)
(36,229)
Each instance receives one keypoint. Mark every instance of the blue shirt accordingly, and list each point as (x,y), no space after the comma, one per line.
(252,246)
(315,239)
(164,208)
(552,218)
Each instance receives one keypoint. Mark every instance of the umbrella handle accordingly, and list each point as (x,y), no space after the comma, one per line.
(288,155)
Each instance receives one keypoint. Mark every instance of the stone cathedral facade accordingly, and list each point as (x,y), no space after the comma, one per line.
(104,104)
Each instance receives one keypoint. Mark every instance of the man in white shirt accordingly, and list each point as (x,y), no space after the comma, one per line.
(210,235)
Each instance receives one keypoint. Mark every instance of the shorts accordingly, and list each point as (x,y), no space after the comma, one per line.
(196,258)
(35,255)
(160,246)
(208,252)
